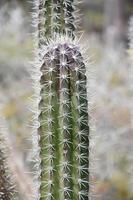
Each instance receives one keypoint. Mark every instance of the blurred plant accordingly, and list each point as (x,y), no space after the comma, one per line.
(131,34)
(113,115)
(12,170)
(15,87)
(7,185)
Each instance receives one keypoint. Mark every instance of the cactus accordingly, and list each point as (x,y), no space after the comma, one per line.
(63,130)
(15,183)
(60,84)
(130,34)
(55,16)
(7,186)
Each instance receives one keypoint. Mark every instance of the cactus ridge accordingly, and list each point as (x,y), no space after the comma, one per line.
(64,129)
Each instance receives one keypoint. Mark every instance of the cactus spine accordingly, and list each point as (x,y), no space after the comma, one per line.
(63,108)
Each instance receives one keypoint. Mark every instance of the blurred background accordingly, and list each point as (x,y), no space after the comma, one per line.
(105,23)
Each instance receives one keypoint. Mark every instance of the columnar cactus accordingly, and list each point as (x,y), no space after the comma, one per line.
(7,186)
(64,130)
(130,35)
(63,108)
(15,183)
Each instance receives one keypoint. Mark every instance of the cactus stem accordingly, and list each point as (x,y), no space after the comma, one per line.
(64,129)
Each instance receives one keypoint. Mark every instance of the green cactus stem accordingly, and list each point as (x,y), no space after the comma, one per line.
(55,16)
(64,129)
